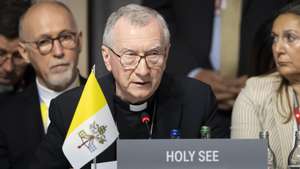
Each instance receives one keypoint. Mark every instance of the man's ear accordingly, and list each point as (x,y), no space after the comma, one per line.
(79,42)
(23,52)
(167,50)
(106,57)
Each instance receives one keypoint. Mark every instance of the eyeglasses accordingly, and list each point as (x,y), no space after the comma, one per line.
(68,40)
(15,56)
(154,59)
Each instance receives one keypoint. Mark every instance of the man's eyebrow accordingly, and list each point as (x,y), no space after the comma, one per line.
(127,50)
(44,36)
(66,31)
(157,48)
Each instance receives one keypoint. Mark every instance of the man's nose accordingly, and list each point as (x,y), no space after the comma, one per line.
(58,49)
(142,68)
(8,65)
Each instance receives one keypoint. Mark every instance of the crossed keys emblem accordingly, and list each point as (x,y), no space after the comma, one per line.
(97,134)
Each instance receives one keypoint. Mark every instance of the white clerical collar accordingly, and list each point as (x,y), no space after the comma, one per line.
(138,107)
(46,94)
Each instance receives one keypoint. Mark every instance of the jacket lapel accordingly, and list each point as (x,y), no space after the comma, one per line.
(107,85)
(285,131)
(168,114)
(33,116)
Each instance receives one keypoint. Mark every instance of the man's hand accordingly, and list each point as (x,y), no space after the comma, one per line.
(225,89)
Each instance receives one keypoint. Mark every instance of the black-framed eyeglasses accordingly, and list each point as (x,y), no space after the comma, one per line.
(154,59)
(68,40)
(14,56)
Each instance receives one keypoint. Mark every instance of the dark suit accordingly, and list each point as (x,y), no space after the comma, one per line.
(191,24)
(3,96)
(21,128)
(183,103)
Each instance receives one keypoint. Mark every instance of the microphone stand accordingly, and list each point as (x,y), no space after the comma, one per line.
(148,129)
(145,119)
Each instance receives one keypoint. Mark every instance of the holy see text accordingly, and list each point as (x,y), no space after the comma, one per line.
(192,155)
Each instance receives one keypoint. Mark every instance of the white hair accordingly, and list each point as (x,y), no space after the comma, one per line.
(136,15)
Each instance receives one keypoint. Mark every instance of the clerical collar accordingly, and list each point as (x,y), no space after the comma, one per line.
(132,107)
(138,107)
(46,94)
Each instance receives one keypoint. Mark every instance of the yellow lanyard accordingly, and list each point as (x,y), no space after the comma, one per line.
(44,111)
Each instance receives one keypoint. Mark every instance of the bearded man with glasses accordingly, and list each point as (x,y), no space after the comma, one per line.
(135,50)
(50,41)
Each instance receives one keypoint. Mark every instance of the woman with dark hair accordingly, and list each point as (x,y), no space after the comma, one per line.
(269,102)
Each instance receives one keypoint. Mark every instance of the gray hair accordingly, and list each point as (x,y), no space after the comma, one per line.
(137,15)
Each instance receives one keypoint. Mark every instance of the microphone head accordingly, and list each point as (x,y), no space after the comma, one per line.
(297,115)
(145,118)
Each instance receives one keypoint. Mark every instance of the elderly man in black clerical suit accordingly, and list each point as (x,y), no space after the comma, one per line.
(135,50)
(50,41)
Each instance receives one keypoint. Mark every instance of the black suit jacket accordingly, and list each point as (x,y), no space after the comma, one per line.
(183,103)
(191,24)
(21,128)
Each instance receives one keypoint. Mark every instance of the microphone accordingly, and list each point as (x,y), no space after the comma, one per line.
(145,119)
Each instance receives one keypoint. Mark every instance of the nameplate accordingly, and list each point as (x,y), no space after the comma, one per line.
(192,154)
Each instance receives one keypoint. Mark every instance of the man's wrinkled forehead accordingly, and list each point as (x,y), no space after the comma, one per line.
(125,32)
